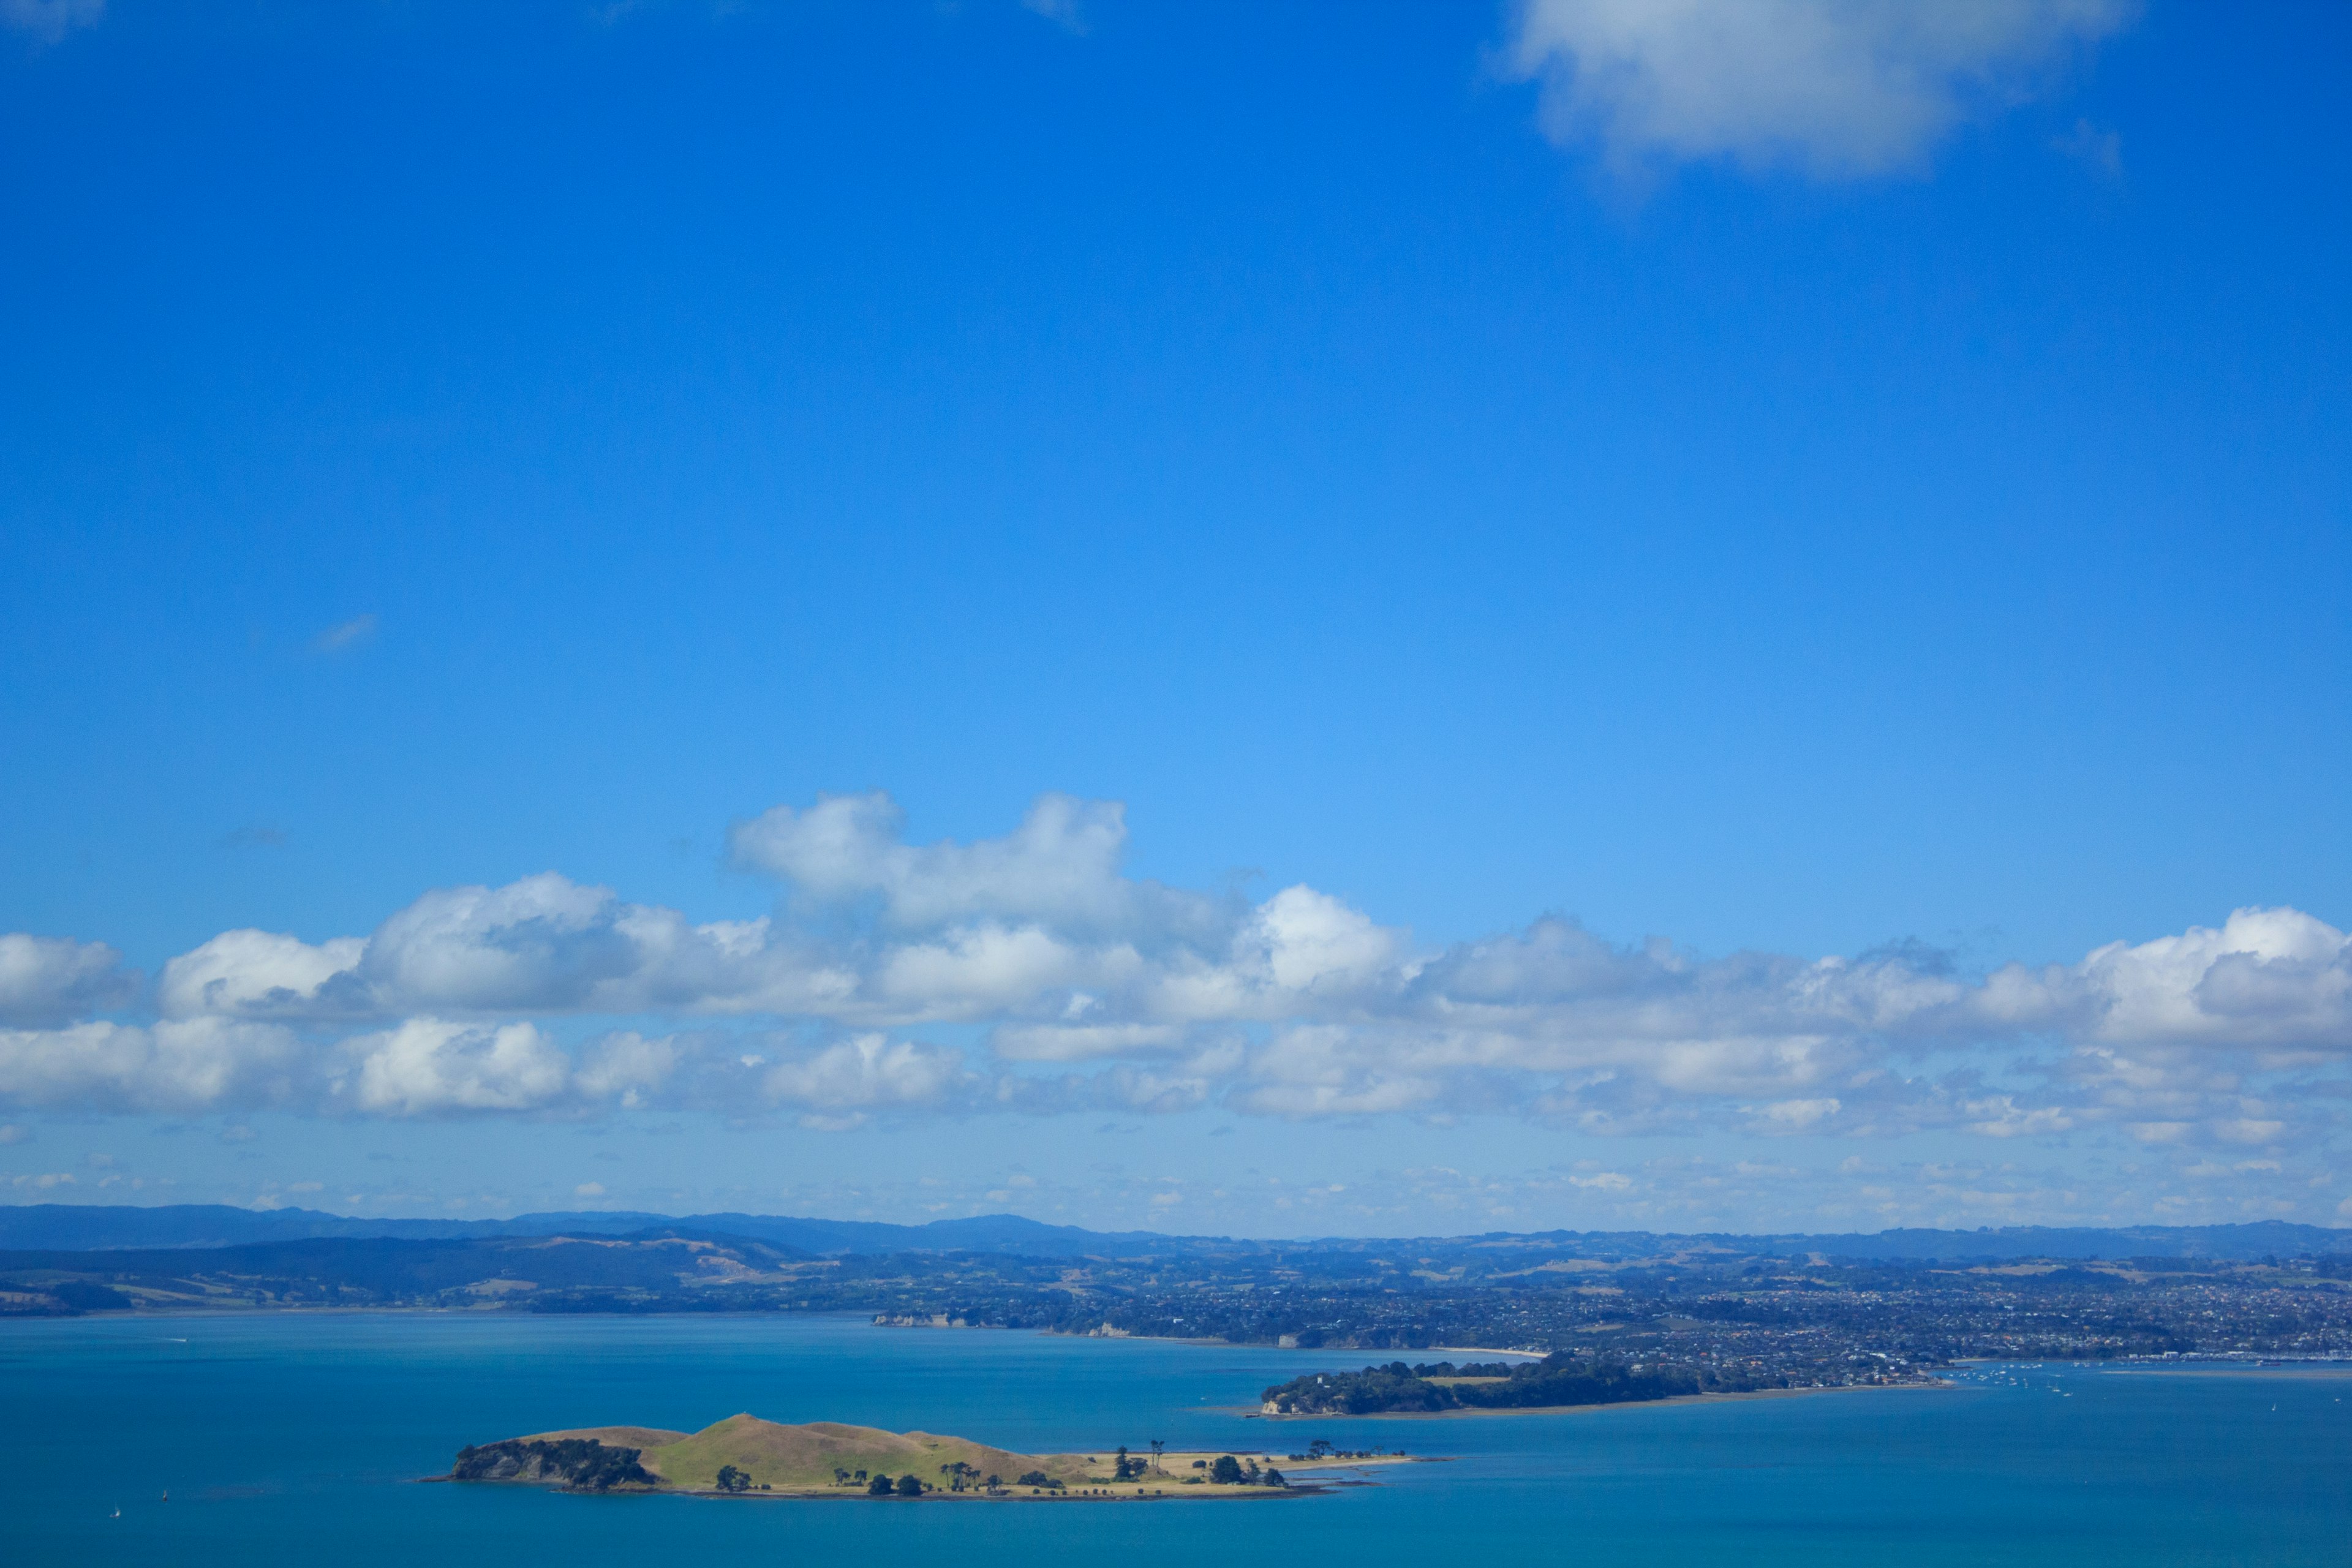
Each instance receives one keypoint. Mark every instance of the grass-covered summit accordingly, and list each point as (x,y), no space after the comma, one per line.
(746,1454)
(819,1455)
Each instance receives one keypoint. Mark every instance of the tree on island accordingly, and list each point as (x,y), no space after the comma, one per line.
(993,1481)
(1157,1447)
(910,1485)
(1226,1471)
(879,1486)
(731,1479)
(1124,1468)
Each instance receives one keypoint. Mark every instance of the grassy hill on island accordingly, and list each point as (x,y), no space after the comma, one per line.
(746,1454)
(804,1457)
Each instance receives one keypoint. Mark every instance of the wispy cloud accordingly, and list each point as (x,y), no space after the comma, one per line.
(51,20)
(1066,14)
(343,637)
(1832,88)
(2098,150)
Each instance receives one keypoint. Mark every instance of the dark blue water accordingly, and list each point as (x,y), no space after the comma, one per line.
(289,1440)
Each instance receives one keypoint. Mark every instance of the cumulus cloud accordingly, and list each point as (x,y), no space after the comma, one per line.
(190,1065)
(254,974)
(430,1066)
(50,979)
(1061,867)
(1096,990)
(1835,89)
(843,1083)
(541,944)
(629,1069)
(2265,977)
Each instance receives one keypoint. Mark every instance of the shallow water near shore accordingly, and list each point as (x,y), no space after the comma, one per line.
(289,1440)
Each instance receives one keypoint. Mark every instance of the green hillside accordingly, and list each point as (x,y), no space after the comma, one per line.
(806,1457)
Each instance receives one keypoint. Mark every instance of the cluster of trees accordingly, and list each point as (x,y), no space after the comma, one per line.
(1561,1378)
(1321,1450)
(907,1484)
(1228,1471)
(962,1476)
(583,1464)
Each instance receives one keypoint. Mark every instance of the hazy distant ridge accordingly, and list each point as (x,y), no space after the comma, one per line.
(74,1227)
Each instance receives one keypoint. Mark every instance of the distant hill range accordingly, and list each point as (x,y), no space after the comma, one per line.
(69,1227)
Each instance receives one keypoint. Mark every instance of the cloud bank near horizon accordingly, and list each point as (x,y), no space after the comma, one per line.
(1028,975)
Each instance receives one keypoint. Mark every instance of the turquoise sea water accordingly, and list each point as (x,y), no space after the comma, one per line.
(289,1440)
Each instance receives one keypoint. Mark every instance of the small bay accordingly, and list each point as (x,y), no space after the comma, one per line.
(292,1439)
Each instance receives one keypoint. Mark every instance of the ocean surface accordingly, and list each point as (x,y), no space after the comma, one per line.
(289,1440)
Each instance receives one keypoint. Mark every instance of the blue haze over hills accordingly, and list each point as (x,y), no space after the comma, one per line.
(57,1226)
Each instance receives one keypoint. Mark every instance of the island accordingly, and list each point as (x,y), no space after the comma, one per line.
(744,1455)
(1558,1381)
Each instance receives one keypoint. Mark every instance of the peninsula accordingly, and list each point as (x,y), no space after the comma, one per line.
(1559,1380)
(744,1455)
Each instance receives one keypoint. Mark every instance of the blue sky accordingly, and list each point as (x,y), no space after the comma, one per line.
(1594,618)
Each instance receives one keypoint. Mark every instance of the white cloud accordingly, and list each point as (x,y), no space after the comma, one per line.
(50,979)
(1060,867)
(192,1065)
(1312,939)
(1836,88)
(430,1066)
(978,970)
(1323,1069)
(2001,1116)
(1073,1043)
(628,1069)
(541,944)
(1796,1115)
(256,973)
(868,1073)
(2265,977)
(1155,999)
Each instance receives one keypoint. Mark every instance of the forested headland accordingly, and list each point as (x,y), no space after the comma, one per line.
(1563,1378)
